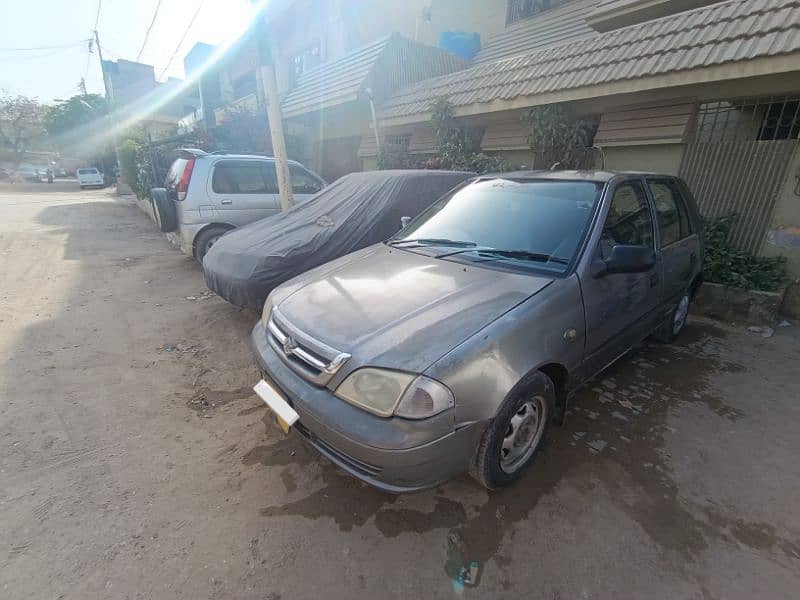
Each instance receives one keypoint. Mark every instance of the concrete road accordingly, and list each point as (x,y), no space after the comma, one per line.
(135,462)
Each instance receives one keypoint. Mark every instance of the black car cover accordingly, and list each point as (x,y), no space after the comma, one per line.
(356,211)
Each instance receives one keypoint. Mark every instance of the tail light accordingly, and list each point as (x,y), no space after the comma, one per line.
(183,184)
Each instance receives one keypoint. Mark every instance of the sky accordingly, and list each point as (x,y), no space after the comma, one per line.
(59,31)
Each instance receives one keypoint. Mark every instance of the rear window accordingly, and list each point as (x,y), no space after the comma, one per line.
(87,171)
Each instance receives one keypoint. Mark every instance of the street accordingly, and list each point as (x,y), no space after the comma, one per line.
(136,462)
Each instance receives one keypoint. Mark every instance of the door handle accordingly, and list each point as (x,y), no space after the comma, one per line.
(227,201)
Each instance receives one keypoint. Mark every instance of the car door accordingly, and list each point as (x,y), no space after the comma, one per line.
(621,308)
(304,184)
(241,190)
(679,244)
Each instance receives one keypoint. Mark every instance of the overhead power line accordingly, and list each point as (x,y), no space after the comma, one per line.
(54,47)
(183,37)
(149,28)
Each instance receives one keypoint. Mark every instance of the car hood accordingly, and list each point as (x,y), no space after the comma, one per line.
(398,309)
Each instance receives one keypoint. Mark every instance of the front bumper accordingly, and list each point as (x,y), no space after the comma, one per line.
(391,454)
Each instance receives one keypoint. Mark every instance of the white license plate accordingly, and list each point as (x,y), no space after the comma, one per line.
(284,414)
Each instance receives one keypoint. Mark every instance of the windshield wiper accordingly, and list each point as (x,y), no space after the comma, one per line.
(517,254)
(434,242)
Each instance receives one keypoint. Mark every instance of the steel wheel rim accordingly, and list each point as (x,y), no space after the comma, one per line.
(679,319)
(525,430)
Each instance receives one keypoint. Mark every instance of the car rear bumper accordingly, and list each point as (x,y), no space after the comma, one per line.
(396,470)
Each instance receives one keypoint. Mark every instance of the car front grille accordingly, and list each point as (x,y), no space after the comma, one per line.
(311,359)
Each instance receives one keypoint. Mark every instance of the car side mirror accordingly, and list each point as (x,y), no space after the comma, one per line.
(626,259)
(404,221)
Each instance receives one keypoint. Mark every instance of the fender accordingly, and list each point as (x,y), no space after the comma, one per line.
(545,332)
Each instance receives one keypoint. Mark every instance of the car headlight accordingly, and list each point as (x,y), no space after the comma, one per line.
(266,311)
(386,393)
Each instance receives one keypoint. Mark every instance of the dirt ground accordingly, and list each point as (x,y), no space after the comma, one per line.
(135,461)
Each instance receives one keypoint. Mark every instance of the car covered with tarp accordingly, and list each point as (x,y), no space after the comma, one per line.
(354,212)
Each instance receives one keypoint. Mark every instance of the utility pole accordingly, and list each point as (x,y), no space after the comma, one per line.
(82,87)
(110,100)
(267,54)
(109,94)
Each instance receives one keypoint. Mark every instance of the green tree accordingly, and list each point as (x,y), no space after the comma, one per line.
(21,125)
(65,118)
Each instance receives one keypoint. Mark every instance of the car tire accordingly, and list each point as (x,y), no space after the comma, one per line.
(515,435)
(164,210)
(672,326)
(83,187)
(206,239)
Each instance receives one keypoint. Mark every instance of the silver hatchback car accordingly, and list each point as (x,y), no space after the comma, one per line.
(451,347)
(207,195)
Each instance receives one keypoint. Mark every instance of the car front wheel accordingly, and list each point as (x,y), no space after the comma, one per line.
(514,437)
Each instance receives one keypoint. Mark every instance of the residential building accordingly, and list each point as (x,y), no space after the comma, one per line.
(708,90)
(333,56)
(156,106)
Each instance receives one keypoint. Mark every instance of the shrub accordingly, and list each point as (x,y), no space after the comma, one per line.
(558,136)
(393,156)
(458,146)
(730,266)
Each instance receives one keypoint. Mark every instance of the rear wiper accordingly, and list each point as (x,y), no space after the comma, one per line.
(434,242)
(518,254)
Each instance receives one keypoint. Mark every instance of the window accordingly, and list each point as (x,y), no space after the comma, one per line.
(522,9)
(304,61)
(628,221)
(244,177)
(673,222)
(303,182)
(399,141)
(749,119)
(270,177)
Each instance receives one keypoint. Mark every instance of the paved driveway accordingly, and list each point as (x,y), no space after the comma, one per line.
(135,462)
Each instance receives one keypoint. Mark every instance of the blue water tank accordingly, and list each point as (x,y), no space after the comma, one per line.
(460,43)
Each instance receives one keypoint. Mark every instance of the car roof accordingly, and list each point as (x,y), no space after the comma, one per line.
(197,153)
(248,157)
(571,175)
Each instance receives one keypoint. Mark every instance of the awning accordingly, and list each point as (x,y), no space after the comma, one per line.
(383,67)
(706,44)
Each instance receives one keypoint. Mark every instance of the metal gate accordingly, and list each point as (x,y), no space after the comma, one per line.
(737,158)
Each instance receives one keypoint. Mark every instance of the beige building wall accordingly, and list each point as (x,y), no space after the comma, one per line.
(340,26)
(660,158)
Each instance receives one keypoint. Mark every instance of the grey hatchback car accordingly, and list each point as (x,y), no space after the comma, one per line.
(453,346)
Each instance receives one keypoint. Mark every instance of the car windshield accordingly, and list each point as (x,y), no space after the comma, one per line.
(537,223)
